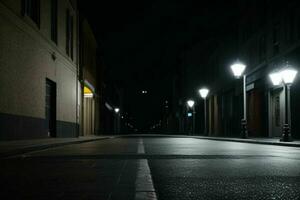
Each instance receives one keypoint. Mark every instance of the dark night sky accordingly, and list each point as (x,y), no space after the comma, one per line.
(142,41)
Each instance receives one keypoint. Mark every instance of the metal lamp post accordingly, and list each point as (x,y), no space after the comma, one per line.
(285,77)
(117,120)
(203,93)
(238,71)
(191,104)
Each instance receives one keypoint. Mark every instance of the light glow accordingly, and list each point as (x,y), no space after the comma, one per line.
(288,75)
(190,103)
(89,95)
(204,92)
(238,69)
(117,110)
(276,78)
(87,90)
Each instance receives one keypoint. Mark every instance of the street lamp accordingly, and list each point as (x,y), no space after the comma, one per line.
(117,120)
(285,77)
(238,69)
(191,104)
(117,110)
(203,93)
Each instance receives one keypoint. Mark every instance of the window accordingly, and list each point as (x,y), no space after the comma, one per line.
(69,34)
(54,20)
(31,8)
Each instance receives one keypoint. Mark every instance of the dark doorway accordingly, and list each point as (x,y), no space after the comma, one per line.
(51,108)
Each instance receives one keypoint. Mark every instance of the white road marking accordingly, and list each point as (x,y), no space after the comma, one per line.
(144,189)
(141,148)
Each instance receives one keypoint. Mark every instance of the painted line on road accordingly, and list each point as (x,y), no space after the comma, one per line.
(144,189)
(141,148)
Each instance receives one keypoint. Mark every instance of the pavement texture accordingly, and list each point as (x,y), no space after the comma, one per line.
(153,168)
(15,147)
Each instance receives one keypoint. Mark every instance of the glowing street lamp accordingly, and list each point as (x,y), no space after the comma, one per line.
(285,77)
(191,104)
(117,120)
(238,70)
(276,78)
(203,93)
(288,76)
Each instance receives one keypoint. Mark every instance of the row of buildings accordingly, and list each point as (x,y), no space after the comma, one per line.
(51,77)
(268,37)
(265,37)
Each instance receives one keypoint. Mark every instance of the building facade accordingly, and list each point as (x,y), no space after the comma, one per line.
(268,41)
(38,69)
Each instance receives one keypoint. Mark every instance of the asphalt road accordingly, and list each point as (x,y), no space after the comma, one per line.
(154,168)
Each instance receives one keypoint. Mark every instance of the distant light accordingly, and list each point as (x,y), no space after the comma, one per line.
(144,92)
(117,110)
(190,114)
(276,78)
(204,92)
(238,69)
(288,75)
(190,103)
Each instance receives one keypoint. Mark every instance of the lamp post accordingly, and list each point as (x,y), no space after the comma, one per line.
(191,104)
(117,120)
(238,69)
(203,93)
(285,77)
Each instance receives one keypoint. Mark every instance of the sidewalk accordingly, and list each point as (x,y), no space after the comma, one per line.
(15,147)
(268,141)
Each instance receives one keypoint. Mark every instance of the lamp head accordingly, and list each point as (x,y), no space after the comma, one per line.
(288,75)
(276,78)
(238,69)
(190,103)
(203,92)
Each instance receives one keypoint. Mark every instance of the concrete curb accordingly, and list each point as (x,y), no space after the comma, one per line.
(29,149)
(252,141)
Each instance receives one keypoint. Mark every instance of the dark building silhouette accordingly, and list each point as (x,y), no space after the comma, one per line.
(267,38)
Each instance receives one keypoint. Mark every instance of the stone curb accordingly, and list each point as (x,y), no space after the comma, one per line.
(252,141)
